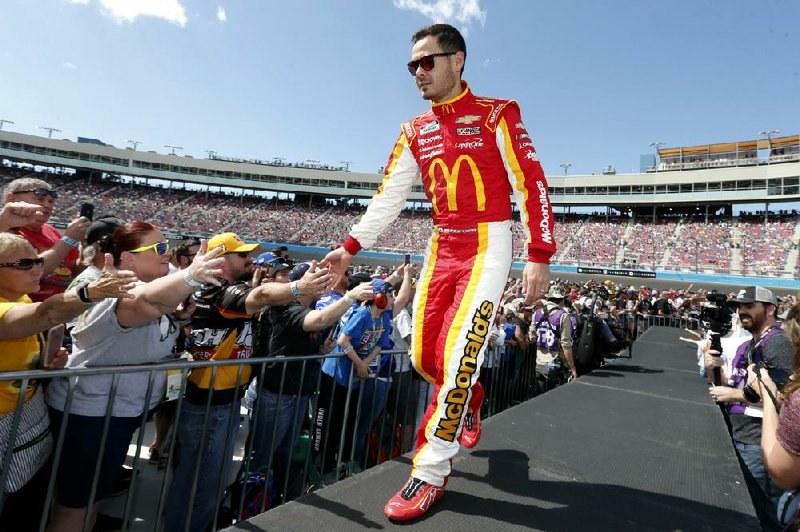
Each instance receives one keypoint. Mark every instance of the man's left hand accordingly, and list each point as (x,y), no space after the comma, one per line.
(725,394)
(535,281)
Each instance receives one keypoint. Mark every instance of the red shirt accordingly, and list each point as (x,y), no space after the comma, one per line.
(59,279)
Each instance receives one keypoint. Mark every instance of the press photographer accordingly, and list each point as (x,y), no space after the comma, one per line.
(756,307)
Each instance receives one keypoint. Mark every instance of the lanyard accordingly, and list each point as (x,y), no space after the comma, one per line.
(755,345)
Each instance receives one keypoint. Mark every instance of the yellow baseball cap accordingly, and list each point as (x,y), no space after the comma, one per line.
(230,243)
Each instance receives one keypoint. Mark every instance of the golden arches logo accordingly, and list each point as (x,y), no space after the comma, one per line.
(451,181)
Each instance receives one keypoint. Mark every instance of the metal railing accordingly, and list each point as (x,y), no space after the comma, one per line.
(378,423)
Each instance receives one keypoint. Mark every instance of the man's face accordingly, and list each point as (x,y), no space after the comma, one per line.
(185,260)
(443,81)
(753,316)
(239,266)
(46,202)
(282,276)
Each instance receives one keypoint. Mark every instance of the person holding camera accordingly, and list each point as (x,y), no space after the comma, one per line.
(756,308)
(780,431)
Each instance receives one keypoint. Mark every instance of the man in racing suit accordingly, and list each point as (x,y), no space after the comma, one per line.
(472,154)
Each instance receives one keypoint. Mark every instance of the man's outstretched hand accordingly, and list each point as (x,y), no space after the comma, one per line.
(337,262)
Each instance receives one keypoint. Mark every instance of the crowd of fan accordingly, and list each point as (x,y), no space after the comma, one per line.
(669,243)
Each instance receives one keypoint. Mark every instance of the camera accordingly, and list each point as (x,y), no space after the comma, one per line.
(717,313)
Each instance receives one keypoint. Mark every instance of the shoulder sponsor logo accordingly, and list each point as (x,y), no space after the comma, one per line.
(521,136)
(493,116)
(455,403)
(530,154)
(470,144)
(409,131)
(519,125)
(467,119)
(431,127)
(423,142)
(430,155)
(464,131)
(526,144)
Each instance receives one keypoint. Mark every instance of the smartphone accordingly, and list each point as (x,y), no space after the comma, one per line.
(55,337)
(407,259)
(87,210)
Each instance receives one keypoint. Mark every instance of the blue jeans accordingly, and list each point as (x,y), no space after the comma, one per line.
(214,454)
(373,400)
(763,491)
(277,427)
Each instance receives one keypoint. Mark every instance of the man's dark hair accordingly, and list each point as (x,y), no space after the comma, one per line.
(184,248)
(449,38)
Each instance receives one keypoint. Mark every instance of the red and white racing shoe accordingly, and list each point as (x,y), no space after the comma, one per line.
(471,433)
(413,500)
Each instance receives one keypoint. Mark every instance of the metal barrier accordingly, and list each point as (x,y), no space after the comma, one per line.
(333,432)
(378,422)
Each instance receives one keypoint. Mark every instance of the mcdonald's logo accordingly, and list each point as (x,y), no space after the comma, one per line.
(451,181)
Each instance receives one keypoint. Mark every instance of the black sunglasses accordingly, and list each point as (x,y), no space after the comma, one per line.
(41,192)
(426,62)
(23,264)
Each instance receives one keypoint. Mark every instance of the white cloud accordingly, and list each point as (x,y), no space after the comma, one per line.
(458,12)
(79,2)
(69,66)
(221,15)
(129,10)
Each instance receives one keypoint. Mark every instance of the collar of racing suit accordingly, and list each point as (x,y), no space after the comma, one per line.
(452,106)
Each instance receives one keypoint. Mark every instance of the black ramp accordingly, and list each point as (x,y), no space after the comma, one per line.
(637,445)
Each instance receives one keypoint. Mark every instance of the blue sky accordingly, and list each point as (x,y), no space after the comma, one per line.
(326,80)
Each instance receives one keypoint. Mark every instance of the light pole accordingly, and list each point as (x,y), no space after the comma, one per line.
(135,143)
(4,121)
(769,135)
(173,148)
(49,131)
(565,166)
(657,145)
(211,154)
(346,165)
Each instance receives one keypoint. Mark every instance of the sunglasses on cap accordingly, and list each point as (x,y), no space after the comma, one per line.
(426,62)
(41,192)
(161,248)
(23,264)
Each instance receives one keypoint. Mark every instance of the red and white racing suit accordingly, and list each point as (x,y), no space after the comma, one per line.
(472,154)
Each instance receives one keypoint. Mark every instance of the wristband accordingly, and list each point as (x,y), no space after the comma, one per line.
(83,292)
(348,349)
(191,281)
(293,288)
(71,242)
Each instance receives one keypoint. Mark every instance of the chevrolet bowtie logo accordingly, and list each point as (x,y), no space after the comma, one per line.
(467,119)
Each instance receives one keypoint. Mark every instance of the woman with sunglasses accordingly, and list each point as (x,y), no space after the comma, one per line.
(139,330)
(21,347)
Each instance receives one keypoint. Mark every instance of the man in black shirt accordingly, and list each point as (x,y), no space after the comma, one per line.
(288,385)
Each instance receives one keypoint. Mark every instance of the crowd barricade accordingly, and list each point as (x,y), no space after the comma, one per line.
(376,423)
(681,322)
(337,432)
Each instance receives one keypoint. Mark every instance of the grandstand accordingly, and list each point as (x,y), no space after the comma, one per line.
(677,216)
